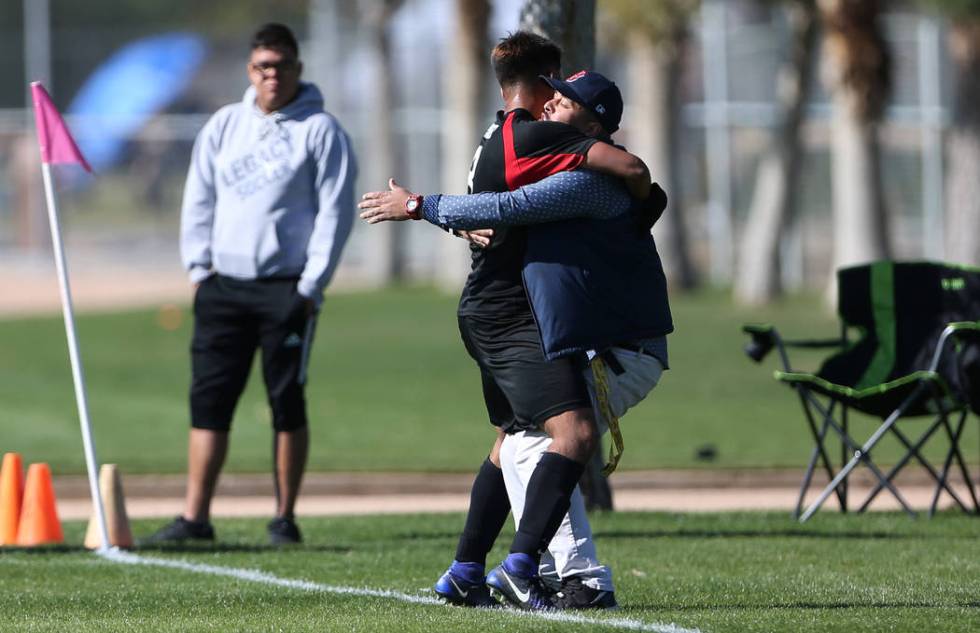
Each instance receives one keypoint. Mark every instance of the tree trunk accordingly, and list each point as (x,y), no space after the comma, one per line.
(388,256)
(568,23)
(860,226)
(858,73)
(464,83)
(655,71)
(963,148)
(777,181)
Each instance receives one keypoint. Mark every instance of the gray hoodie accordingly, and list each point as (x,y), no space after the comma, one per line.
(269,195)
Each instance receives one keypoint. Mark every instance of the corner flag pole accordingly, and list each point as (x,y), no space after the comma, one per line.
(57,146)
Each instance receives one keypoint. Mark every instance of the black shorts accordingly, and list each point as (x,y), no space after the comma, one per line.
(521,389)
(232,318)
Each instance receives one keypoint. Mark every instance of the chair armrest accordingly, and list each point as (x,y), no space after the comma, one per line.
(958,330)
(765,337)
(815,343)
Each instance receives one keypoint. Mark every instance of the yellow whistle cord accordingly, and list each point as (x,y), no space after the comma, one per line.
(602,396)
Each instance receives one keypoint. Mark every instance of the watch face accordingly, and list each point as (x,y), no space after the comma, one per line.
(412,204)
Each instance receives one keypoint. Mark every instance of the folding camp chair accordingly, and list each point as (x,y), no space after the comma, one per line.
(916,354)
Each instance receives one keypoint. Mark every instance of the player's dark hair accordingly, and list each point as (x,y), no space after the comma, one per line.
(275,36)
(522,56)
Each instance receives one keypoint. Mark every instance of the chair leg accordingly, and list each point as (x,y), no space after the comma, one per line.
(913,451)
(953,439)
(861,454)
(954,454)
(843,458)
(811,464)
(807,400)
(969,482)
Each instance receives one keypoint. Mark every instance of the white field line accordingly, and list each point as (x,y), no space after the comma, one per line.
(252,575)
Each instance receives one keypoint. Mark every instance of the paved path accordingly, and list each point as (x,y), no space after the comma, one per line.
(149,496)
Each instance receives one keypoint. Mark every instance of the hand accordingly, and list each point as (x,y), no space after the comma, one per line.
(380,206)
(477,237)
(649,211)
(309,307)
(301,308)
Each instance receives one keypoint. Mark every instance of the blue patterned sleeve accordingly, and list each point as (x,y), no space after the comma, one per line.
(566,195)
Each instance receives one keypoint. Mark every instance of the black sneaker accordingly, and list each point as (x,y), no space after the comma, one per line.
(283,531)
(523,593)
(180,530)
(576,596)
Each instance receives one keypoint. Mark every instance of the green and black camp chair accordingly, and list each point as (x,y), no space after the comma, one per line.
(917,353)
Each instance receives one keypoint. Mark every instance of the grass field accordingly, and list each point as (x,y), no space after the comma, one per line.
(388,375)
(712,573)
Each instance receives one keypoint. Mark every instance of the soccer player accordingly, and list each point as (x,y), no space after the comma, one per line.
(521,389)
(595,284)
(267,209)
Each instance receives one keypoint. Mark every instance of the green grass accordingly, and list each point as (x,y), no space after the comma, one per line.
(714,572)
(391,388)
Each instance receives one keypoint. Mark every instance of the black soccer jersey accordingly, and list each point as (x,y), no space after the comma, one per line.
(516,150)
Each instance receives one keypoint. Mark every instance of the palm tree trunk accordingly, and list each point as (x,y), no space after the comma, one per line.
(858,73)
(568,23)
(774,199)
(860,226)
(655,71)
(963,148)
(389,255)
(464,86)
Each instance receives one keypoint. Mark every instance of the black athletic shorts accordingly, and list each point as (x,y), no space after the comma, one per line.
(232,318)
(521,389)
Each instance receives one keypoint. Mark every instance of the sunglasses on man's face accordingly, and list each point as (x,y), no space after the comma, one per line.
(265,68)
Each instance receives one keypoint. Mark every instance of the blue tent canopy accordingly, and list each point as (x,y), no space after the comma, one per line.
(138,81)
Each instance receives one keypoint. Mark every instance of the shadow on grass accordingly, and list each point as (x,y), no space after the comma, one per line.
(44,549)
(652,534)
(804,606)
(239,548)
(425,536)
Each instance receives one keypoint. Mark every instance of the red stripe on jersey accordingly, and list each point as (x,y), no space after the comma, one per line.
(512,168)
(523,171)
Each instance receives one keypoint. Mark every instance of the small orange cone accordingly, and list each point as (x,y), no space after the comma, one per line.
(11,495)
(39,522)
(117,522)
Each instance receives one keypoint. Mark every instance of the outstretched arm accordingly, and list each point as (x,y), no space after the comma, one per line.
(562,196)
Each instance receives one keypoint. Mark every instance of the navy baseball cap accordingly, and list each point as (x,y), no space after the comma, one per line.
(595,93)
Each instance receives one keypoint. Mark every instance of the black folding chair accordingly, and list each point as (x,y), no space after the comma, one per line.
(916,354)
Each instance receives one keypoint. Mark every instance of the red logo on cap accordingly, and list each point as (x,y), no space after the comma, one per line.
(577,75)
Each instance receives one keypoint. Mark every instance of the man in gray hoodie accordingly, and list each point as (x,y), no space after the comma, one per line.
(268,206)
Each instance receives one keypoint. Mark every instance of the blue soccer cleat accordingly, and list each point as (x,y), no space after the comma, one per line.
(524,593)
(461,592)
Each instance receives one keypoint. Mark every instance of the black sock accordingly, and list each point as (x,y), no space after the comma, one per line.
(489,507)
(547,500)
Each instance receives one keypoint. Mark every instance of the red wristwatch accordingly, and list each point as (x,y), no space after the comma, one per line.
(413,206)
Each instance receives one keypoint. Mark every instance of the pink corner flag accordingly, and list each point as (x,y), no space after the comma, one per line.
(57,145)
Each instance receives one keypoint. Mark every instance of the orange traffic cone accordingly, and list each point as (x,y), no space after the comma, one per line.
(11,495)
(117,522)
(39,522)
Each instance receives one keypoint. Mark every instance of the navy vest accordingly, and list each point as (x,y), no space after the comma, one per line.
(594,283)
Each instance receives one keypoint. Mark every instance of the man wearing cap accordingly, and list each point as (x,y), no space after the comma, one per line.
(521,388)
(607,249)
